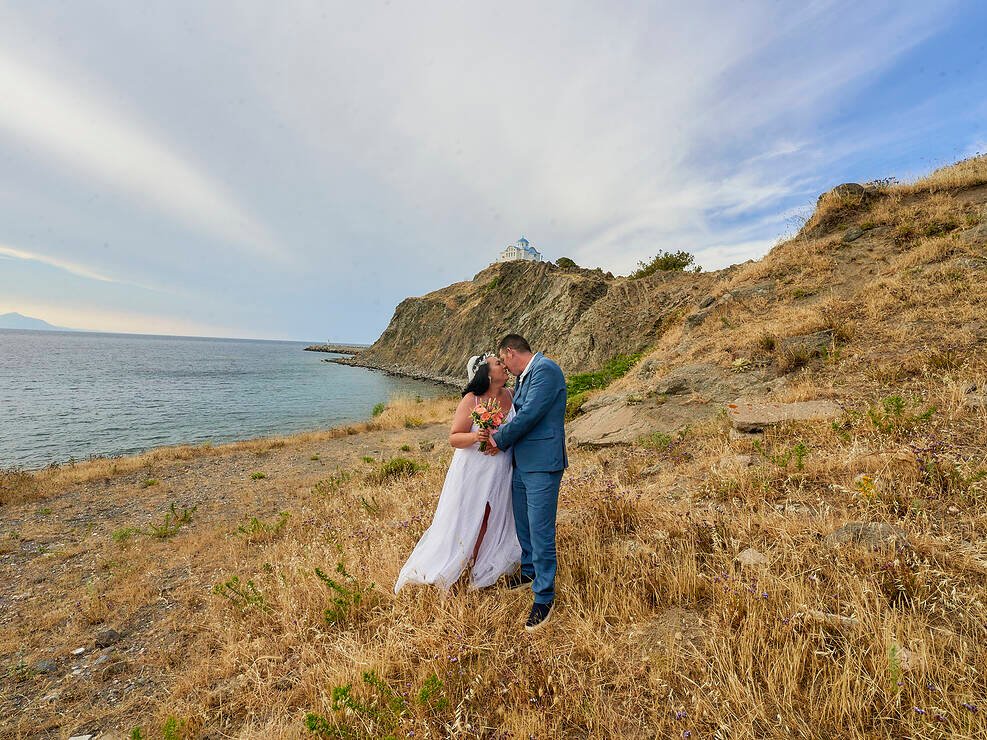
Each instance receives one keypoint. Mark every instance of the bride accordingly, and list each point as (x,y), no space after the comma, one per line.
(473,520)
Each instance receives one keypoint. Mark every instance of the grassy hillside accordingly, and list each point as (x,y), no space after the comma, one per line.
(707,585)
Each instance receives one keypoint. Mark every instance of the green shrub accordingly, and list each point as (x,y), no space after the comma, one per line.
(174,520)
(665,262)
(333,483)
(243,595)
(565,262)
(148,482)
(379,409)
(398,467)
(656,441)
(258,476)
(615,368)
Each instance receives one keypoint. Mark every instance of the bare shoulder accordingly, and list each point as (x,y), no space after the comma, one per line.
(469,401)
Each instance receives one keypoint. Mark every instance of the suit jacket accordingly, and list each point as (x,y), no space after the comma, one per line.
(536,434)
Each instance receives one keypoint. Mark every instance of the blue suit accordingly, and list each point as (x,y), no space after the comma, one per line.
(536,439)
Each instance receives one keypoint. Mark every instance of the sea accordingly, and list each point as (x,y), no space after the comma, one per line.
(68,396)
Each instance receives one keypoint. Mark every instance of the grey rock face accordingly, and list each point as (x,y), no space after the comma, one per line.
(875,535)
(849,190)
(107,638)
(852,234)
(815,343)
(46,666)
(975,235)
(753,416)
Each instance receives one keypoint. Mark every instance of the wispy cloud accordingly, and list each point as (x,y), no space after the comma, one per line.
(70,267)
(78,129)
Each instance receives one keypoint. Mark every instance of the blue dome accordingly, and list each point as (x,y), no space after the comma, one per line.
(522,242)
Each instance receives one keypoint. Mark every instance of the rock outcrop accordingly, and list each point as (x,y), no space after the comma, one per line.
(581,318)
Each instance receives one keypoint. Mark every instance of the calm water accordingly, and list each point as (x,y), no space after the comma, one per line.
(72,395)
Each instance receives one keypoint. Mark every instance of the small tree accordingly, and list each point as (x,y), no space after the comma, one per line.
(666,262)
(565,262)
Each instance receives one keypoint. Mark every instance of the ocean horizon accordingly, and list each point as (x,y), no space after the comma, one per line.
(69,395)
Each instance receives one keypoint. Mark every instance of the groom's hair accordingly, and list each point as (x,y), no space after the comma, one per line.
(515,342)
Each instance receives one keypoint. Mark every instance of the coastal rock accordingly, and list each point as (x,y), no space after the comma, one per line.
(580,318)
(753,416)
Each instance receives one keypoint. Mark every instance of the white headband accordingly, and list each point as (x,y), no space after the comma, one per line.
(473,365)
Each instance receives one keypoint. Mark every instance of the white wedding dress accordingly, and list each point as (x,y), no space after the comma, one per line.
(442,554)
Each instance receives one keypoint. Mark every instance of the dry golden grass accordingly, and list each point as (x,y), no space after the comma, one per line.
(968,173)
(660,630)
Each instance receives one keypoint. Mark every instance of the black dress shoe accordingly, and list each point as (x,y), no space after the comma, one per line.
(538,617)
(517,580)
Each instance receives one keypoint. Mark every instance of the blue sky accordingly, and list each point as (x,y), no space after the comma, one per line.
(294,170)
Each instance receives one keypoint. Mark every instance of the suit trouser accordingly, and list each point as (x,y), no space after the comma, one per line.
(535,499)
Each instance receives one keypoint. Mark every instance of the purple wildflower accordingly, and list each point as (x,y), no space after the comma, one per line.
(919,710)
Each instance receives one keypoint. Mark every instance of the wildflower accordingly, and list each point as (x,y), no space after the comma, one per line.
(764,594)
(680,714)
(687,733)
(970,707)
(918,710)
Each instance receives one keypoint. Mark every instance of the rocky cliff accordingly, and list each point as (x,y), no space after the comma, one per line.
(581,318)
(883,285)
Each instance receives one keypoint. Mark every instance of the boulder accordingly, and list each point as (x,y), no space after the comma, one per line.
(847,190)
(874,535)
(707,302)
(106,638)
(695,319)
(974,236)
(815,343)
(45,666)
(852,234)
(754,416)
(751,558)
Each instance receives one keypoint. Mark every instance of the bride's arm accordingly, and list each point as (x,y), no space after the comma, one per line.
(461,435)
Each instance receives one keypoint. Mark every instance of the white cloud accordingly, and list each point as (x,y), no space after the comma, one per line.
(71,267)
(77,128)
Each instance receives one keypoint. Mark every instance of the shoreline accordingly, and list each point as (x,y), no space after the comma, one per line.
(400,371)
(209,447)
(338,349)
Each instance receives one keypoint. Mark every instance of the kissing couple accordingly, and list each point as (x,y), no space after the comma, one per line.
(496,513)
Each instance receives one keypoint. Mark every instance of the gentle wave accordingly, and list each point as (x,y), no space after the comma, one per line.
(67,396)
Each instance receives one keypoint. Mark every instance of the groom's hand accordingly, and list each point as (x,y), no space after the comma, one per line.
(492,448)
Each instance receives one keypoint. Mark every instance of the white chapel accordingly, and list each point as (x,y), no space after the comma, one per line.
(520,250)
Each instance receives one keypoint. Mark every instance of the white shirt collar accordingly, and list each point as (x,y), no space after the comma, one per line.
(525,371)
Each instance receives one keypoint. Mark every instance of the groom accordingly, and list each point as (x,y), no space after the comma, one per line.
(536,437)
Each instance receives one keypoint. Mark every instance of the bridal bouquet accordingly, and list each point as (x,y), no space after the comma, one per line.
(487,415)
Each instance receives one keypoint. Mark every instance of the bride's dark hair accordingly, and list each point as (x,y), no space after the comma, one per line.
(481,381)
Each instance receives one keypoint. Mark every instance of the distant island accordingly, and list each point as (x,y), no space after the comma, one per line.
(19,321)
